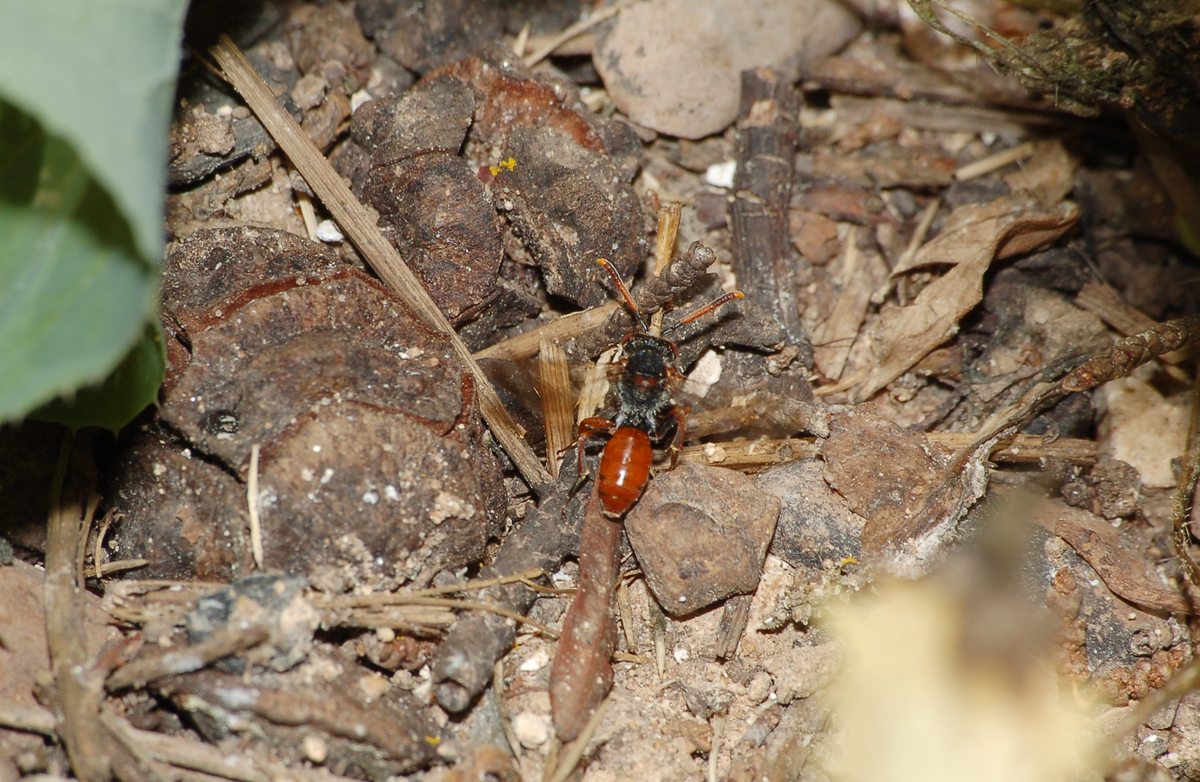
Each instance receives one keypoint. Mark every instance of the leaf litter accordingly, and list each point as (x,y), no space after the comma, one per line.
(956,253)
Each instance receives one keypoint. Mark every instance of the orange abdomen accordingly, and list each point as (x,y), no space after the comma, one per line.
(624,469)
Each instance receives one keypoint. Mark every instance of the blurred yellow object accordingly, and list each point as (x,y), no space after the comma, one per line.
(911,704)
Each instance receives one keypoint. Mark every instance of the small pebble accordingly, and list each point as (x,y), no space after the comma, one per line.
(314,748)
(532,730)
(327,231)
(373,686)
(721,174)
(535,661)
(760,687)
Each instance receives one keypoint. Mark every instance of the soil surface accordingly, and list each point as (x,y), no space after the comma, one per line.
(893,526)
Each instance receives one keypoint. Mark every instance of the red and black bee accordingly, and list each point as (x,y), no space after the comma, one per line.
(646,415)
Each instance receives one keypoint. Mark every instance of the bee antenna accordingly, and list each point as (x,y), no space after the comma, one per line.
(715,304)
(621,289)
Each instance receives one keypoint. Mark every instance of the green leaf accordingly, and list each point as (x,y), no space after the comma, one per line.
(100,75)
(86,88)
(117,400)
(74,296)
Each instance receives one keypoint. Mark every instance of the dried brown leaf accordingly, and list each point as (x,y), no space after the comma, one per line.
(1049,175)
(972,238)
(1125,571)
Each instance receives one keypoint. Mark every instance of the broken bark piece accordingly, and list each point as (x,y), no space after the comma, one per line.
(273,601)
(183,514)
(551,174)
(884,472)
(436,213)
(762,254)
(214,270)
(345,391)
(327,42)
(434,115)
(370,730)
(434,33)
(508,97)
(582,673)
(700,534)
(244,384)
(569,206)
(467,657)
(431,205)
(361,488)
(816,527)
(206,137)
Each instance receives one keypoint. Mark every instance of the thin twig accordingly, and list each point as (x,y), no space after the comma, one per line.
(1181,505)
(98,543)
(569,759)
(755,455)
(28,718)
(1129,353)
(79,690)
(197,756)
(224,642)
(402,598)
(466,605)
(119,566)
(718,727)
(357,222)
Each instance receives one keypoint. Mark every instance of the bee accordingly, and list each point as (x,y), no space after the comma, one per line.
(646,414)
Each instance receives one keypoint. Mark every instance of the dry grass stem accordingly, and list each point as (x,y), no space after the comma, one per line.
(755,455)
(399,598)
(120,566)
(718,729)
(256,543)
(664,249)
(573,752)
(995,162)
(309,215)
(347,616)
(554,384)
(560,330)
(185,753)
(522,40)
(358,223)
(580,27)
(625,613)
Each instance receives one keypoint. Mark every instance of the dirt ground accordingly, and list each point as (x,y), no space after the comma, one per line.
(926,522)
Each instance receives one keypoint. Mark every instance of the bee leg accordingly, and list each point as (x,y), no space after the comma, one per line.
(590,428)
(679,414)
